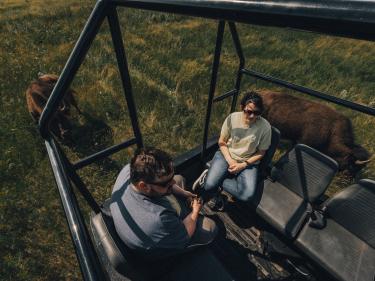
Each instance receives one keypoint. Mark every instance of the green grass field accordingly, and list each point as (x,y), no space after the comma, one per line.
(169,60)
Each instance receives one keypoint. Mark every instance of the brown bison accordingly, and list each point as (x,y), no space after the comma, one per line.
(37,95)
(316,125)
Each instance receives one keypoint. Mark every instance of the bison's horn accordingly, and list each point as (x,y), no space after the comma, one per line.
(361,162)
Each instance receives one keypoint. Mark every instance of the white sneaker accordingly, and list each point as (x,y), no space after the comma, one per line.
(199,182)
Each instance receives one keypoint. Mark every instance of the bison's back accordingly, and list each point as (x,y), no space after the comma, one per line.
(299,119)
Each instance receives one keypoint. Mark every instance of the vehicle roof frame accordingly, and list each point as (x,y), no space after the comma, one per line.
(64,171)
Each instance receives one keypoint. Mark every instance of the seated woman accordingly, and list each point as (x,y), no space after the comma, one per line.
(245,137)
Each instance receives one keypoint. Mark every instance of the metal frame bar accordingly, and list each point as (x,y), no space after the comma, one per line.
(226,95)
(354,19)
(115,29)
(211,93)
(87,258)
(103,153)
(237,45)
(314,93)
(74,177)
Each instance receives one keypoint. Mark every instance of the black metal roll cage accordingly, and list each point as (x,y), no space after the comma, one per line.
(355,19)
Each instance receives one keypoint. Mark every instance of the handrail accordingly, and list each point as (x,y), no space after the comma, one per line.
(103,153)
(122,62)
(311,92)
(215,68)
(226,95)
(241,64)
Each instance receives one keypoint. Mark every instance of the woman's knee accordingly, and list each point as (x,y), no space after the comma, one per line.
(246,196)
(248,188)
(211,183)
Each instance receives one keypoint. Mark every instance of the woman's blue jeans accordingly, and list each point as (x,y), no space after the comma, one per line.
(242,185)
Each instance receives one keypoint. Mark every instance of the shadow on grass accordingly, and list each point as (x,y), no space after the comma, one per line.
(90,136)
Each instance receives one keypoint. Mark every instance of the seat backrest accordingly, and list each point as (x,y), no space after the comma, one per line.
(305,171)
(118,254)
(265,163)
(354,209)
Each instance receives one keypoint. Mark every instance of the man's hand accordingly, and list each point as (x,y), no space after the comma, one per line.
(237,167)
(196,205)
(190,220)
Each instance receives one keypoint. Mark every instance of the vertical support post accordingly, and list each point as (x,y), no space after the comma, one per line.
(114,26)
(237,44)
(215,68)
(75,178)
(72,65)
(87,257)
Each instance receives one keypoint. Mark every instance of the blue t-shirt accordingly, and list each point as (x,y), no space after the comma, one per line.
(151,226)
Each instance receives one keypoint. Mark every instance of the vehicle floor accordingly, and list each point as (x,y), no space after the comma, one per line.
(240,247)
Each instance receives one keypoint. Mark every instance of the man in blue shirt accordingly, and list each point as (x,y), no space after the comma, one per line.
(149,208)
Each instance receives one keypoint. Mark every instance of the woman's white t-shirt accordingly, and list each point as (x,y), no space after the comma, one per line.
(244,140)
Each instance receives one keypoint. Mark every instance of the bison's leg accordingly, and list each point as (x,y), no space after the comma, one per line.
(60,127)
(74,103)
(55,128)
(71,100)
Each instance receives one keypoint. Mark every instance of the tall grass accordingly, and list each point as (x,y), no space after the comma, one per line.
(170,60)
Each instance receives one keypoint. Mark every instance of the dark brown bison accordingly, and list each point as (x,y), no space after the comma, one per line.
(316,125)
(37,95)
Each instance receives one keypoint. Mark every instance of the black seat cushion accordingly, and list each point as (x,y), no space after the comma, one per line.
(341,253)
(354,209)
(345,247)
(282,208)
(116,252)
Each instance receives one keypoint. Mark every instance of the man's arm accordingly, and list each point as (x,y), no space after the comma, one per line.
(190,221)
(181,192)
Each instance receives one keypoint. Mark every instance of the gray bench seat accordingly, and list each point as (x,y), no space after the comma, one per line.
(300,178)
(346,246)
(282,208)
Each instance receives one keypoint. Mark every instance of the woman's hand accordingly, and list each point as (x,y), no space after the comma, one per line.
(232,162)
(236,167)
